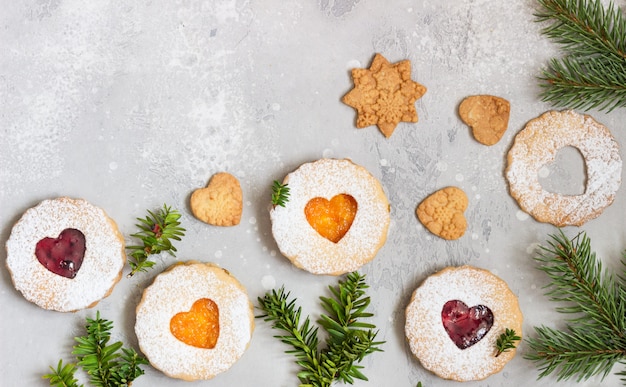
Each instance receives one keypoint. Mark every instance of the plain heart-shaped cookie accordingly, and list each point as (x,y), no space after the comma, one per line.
(487,115)
(331,218)
(443,213)
(63,255)
(220,203)
(466,326)
(200,327)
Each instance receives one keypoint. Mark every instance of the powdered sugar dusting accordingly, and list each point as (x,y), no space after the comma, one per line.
(174,291)
(102,264)
(428,338)
(537,145)
(327,178)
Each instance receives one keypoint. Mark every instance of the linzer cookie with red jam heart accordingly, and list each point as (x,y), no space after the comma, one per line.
(65,254)
(194,321)
(335,219)
(454,319)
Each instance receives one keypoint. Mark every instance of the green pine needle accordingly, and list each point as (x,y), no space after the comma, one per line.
(594,340)
(592,74)
(349,340)
(506,341)
(156,233)
(63,375)
(107,365)
(280,194)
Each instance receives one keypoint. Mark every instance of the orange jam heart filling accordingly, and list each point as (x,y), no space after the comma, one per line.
(200,327)
(331,218)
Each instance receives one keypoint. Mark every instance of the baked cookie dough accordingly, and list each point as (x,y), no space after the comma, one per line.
(220,203)
(454,319)
(487,115)
(442,213)
(537,145)
(65,254)
(354,222)
(195,321)
(384,95)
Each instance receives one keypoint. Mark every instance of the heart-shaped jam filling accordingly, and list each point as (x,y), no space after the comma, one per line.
(63,255)
(331,218)
(466,326)
(200,327)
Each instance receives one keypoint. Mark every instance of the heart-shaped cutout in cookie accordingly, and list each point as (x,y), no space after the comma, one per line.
(443,213)
(63,255)
(220,203)
(331,218)
(466,326)
(200,327)
(566,175)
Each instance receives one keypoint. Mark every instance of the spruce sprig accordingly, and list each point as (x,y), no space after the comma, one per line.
(63,375)
(506,341)
(108,365)
(349,340)
(156,233)
(594,339)
(280,194)
(592,74)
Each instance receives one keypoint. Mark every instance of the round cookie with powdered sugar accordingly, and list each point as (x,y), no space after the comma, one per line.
(336,218)
(65,254)
(454,319)
(194,321)
(537,145)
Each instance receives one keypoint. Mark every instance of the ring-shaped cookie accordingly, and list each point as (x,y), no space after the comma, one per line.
(303,245)
(102,263)
(175,291)
(537,145)
(428,339)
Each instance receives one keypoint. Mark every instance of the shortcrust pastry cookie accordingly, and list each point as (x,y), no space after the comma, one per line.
(194,321)
(65,254)
(537,145)
(384,95)
(443,213)
(454,319)
(487,115)
(336,218)
(220,203)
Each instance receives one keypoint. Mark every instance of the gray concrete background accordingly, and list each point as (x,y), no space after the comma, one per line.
(134,104)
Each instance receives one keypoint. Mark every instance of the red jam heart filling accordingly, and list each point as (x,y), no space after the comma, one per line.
(63,255)
(466,326)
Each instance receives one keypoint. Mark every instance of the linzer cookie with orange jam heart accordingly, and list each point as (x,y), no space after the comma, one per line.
(335,220)
(454,319)
(194,321)
(65,254)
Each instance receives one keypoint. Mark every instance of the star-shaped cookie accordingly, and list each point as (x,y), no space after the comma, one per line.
(384,94)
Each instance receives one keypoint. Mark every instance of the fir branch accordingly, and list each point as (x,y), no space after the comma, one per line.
(348,342)
(108,365)
(284,316)
(595,336)
(280,194)
(63,375)
(506,341)
(592,74)
(156,233)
